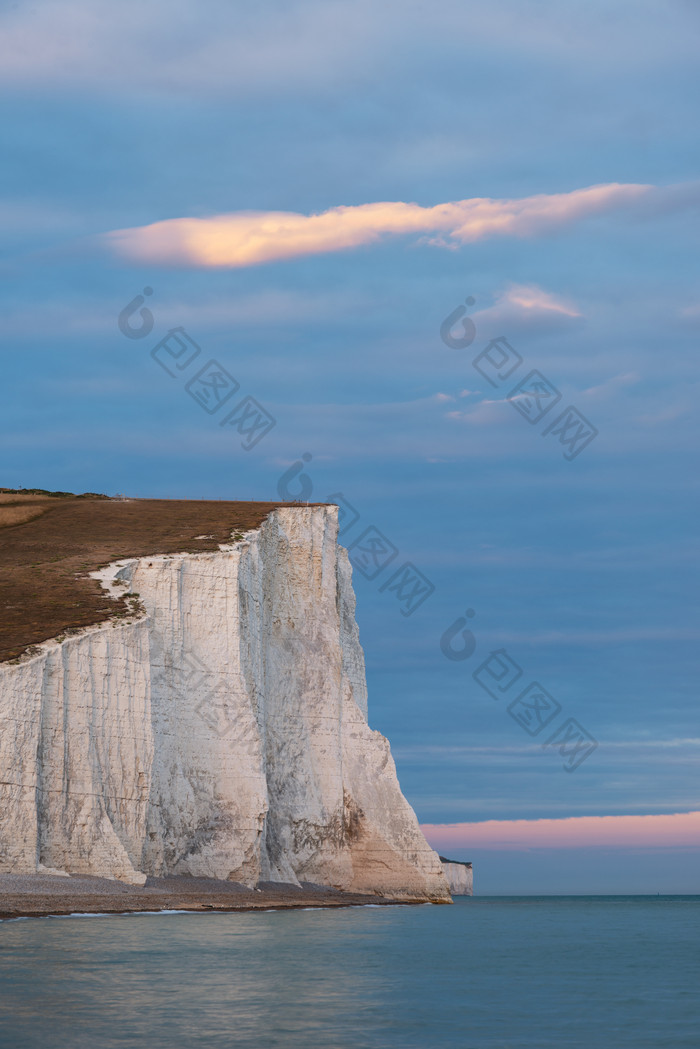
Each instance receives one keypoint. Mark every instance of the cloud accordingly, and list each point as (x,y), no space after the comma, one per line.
(612,386)
(528,308)
(486,412)
(532,297)
(248,238)
(313,43)
(269,307)
(680,830)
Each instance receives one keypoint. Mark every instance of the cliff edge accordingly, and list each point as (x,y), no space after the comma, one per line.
(219,730)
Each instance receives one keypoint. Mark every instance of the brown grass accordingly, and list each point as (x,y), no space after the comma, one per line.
(18,499)
(45,561)
(13,515)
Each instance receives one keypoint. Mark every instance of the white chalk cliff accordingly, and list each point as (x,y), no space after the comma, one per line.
(459,876)
(221,731)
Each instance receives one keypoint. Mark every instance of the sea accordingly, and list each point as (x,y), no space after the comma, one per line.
(599,972)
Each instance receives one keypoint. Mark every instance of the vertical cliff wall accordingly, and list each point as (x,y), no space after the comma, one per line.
(460,877)
(221,732)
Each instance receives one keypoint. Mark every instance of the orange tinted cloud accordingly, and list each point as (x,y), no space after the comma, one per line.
(248,238)
(532,297)
(679,830)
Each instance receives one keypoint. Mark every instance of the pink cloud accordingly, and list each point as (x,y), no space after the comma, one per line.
(532,297)
(680,830)
(249,238)
(528,307)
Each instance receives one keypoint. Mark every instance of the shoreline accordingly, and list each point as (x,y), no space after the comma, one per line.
(45,895)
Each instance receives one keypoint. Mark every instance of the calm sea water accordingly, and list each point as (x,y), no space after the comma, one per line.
(591,972)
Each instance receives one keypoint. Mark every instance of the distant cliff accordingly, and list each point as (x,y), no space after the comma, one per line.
(219,729)
(460,876)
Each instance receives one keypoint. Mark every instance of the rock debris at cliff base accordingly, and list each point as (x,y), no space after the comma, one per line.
(41,895)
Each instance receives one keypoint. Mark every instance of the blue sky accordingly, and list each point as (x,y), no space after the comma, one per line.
(585,571)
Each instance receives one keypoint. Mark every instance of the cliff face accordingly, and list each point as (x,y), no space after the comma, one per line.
(221,732)
(460,877)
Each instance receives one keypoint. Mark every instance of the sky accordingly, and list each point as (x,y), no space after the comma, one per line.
(443,258)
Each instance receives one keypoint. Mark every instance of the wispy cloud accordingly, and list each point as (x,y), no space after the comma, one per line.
(249,238)
(528,308)
(309,43)
(255,309)
(679,830)
(532,297)
(611,387)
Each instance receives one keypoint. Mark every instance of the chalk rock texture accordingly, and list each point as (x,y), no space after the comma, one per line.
(220,732)
(459,876)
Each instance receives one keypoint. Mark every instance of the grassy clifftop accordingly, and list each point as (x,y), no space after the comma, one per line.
(50,541)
